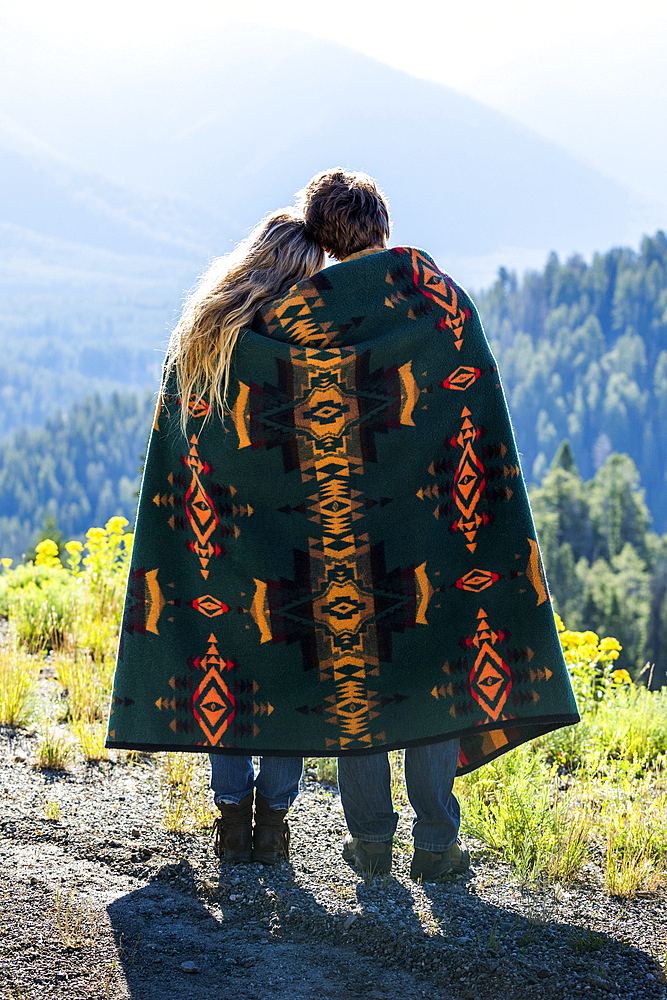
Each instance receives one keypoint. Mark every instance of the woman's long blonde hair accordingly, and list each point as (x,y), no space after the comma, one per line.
(276,255)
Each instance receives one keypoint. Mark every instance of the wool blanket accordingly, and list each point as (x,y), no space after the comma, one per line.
(347,562)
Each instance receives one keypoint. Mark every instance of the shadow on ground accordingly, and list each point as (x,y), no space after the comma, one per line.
(257,932)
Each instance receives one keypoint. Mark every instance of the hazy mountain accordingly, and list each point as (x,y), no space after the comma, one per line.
(239,133)
(156,172)
(50,195)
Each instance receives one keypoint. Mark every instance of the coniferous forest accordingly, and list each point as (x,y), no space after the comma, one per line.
(76,471)
(582,350)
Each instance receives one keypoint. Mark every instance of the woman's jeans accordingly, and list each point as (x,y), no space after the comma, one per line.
(365,792)
(232,778)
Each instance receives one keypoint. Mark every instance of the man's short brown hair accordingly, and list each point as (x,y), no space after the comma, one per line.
(345,212)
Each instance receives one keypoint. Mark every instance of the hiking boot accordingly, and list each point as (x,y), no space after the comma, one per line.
(374,858)
(233,832)
(270,838)
(429,866)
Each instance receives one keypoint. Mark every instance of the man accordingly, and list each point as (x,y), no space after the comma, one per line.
(349,217)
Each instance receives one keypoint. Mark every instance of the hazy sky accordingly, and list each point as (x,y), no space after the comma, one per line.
(589,74)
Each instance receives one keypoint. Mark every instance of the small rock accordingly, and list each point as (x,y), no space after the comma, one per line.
(189,967)
(136,833)
(20,757)
(349,921)
(543,973)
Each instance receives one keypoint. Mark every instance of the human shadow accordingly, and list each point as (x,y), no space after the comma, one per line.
(260,931)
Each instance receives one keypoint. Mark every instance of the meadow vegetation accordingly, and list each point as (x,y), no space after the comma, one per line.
(584,803)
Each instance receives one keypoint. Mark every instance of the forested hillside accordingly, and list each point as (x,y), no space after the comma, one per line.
(582,350)
(607,571)
(80,469)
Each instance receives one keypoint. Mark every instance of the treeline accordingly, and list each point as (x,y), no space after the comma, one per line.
(582,350)
(606,570)
(76,471)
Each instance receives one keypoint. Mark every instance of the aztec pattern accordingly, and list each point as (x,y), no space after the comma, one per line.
(347,563)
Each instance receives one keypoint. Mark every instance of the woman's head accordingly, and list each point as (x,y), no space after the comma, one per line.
(276,255)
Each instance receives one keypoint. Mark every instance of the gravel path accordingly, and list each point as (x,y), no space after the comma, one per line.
(146,903)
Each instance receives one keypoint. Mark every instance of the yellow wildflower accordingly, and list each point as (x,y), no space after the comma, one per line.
(609,645)
(96,534)
(73,547)
(115,525)
(47,553)
(621,677)
(6,563)
(47,548)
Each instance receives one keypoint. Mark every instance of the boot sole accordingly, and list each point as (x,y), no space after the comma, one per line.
(267,857)
(236,857)
(379,867)
(427,874)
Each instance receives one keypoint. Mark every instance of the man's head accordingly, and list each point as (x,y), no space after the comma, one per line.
(345,212)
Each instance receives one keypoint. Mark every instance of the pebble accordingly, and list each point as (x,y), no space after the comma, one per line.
(322,897)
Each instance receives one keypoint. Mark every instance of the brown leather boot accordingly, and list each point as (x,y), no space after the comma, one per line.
(233,832)
(270,838)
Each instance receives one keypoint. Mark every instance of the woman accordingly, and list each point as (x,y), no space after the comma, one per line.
(275,256)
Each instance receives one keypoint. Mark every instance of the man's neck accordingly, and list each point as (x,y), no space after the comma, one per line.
(363,253)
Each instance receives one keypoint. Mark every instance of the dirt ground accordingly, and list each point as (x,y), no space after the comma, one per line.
(104,903)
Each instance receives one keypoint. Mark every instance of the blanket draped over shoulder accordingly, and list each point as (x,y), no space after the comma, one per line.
(347,562)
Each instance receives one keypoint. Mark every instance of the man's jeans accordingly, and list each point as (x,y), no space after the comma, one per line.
(365,792)
(232,778)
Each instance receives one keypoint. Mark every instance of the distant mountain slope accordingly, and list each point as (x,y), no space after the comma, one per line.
(48,194)
(77,319)
(238,134)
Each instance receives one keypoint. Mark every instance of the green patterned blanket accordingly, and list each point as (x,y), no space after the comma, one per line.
(348,563)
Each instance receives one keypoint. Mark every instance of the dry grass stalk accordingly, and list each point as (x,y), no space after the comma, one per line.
(90,738)
(54,752)
(19,673)
(78,927)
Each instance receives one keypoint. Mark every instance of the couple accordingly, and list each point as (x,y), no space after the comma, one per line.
(344,215)
(334,553)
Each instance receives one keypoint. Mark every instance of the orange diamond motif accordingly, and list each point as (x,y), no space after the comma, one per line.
(201,511)
(197,407)
(477,580)
(490,681)
(210,606)
(469,482)
(213,705)
(490,677)
(462,378)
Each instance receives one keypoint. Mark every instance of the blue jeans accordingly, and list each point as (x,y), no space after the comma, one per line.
(232,778)
(365,792)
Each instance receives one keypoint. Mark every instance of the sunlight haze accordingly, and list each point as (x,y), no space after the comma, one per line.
(589,76)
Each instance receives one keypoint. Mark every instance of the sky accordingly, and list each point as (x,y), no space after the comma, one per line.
(590,75)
